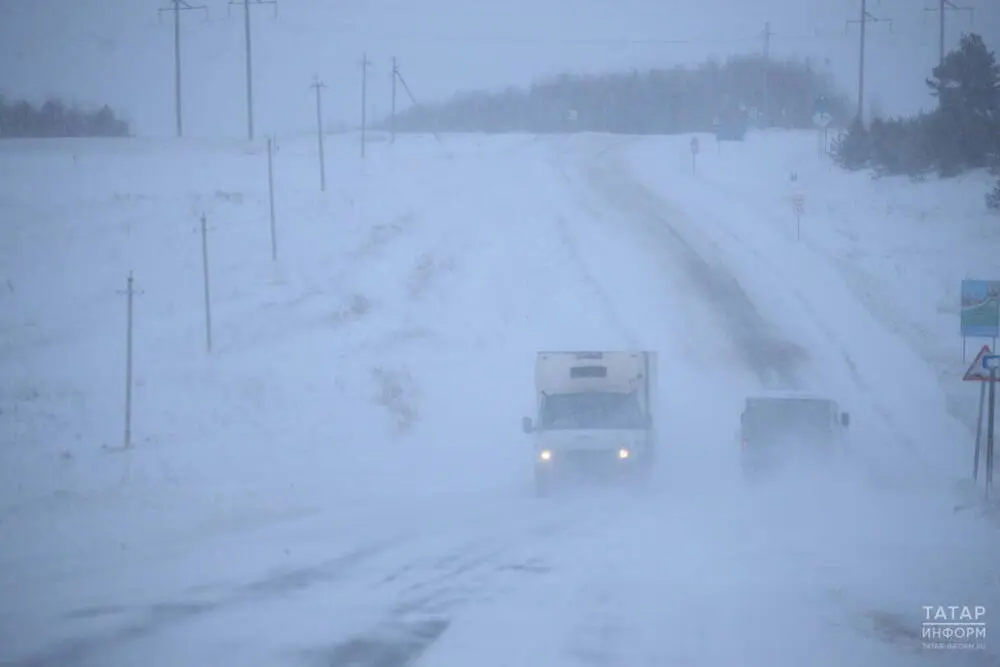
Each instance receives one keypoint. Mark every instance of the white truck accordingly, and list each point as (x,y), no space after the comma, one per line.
(594,415)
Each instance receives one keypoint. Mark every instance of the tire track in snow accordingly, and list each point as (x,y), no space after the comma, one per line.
(599,639)
(438,586)
(422,592)
(773,359)
(569,242)
(764,261)
(151,619)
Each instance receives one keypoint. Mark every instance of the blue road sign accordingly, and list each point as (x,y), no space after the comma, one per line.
(820,105)
(980,309)
(991,361)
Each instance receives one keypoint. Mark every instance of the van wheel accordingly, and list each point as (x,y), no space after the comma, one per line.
(543,487)
(641,476)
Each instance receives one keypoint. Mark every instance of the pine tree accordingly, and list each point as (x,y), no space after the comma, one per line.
(966,129)
(853,149)
(993,198)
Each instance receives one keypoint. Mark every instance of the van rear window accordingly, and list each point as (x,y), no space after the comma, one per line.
(588,372)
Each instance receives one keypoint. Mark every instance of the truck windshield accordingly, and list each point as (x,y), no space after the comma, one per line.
(774,418)
(591,410)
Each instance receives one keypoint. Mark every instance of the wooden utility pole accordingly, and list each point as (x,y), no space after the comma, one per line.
(945,6)
(247,34)
(365,63)
(270,198)
(130,293)
(767,74)
(177,7)
(319,86)
(864,20)
(205,274)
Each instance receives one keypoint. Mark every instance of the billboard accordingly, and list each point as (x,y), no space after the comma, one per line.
(980,309)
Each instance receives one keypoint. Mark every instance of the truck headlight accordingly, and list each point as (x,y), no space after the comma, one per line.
(623,453)
(545,455)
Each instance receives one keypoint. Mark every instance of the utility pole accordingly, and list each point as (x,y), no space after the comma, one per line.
(413,100)
(767,75)
(129,293)
(178,7)
(249,53)
(364,99)
(866,18)
(319,86)
(943,7)
(208,293)
(392,114)
(270,198)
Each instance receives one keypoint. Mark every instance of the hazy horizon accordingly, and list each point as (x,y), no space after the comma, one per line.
(121,53)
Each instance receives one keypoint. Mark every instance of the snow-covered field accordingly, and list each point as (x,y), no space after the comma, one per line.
(342,480)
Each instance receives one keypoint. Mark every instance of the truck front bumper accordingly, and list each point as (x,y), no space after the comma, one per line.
(590,462)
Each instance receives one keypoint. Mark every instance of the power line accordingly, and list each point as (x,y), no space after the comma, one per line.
(944,6)
(178,7)
(833,32)
(866,17)
(249,53)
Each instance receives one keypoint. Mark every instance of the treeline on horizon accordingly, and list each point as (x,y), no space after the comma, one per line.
(54,118)
(677,100)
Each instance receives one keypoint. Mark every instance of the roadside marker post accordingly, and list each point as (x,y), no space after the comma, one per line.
(979,432)
(798,208)
(990,362)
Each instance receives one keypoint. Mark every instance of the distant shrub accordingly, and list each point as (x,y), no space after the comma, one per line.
(993,198)
(55,119)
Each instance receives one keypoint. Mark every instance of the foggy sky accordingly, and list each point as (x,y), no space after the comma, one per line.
(120,52)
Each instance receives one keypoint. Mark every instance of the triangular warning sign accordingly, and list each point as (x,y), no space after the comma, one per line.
(977,372)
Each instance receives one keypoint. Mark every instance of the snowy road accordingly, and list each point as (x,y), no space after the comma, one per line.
(695,575)
(317,591)
(546,243)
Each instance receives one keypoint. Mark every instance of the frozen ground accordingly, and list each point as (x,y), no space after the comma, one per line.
(342,481)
